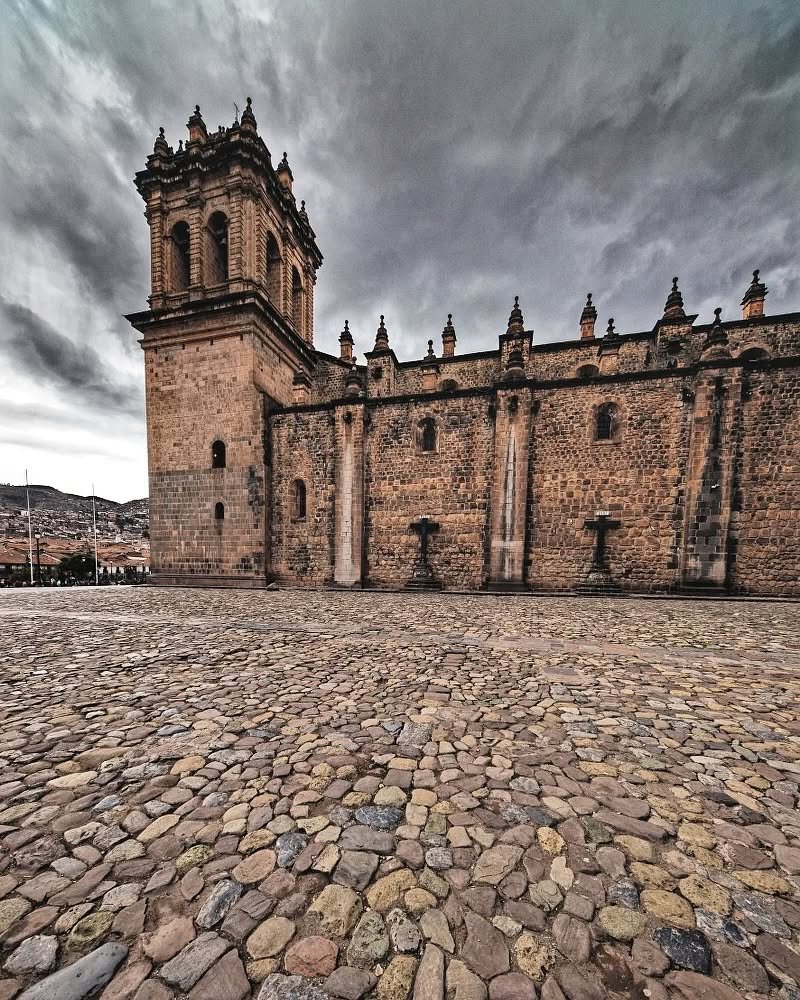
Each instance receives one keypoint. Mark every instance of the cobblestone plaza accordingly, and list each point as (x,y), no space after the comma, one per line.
(299,795)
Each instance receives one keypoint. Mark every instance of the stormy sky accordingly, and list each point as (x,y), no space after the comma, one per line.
(451,154)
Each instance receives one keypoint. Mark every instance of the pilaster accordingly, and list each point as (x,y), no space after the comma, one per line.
(348,533)
(509,496)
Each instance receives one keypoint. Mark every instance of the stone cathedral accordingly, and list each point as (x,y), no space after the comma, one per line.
(666,460)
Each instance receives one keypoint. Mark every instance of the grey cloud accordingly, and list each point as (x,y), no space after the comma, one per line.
(78,372)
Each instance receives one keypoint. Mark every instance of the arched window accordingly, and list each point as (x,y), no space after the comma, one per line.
(180,256)
(217,263)
(218,455)
(219,511)
(273,269)
(297,301)
(449,384)
(753,354)
(426,434)
(587,371)
(607,422)
(298,500)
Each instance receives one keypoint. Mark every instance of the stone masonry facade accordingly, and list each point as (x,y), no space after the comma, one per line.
(666,460)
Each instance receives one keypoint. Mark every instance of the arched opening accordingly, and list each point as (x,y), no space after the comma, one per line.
(587,371)
(217,263)
(607,422)
(273,269)
(426,434)
(219,511)
(754,354)
(298,500)
(449,384)
(297,301)
(180,257)
(218,455)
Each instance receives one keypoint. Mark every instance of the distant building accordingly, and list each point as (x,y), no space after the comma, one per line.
(659,460)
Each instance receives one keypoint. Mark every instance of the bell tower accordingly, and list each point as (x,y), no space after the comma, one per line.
(230,325)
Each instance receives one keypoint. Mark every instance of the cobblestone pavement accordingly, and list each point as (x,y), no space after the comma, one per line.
(220,795)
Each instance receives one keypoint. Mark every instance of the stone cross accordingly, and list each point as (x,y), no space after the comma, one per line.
(422,576)
(425,528)
(601,525)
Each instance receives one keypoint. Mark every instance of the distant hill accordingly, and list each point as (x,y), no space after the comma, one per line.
(66,515)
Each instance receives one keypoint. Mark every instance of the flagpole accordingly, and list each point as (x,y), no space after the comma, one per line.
(30,533)
(94,524)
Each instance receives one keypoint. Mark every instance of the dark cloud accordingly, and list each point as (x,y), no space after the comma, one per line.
(451,155)
(77,372)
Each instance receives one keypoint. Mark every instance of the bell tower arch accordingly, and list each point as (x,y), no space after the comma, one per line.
(225,333)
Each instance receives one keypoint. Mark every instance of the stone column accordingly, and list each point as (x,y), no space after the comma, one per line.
(509,497)
(348,529)
(196,201)
(160,246)
(710,475)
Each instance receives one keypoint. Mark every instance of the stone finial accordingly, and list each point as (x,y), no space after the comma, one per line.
(346,343)
(673,308)
(449,338)
(716,345)
(303,213)
(160,147)
(284,173)
(588,319)
(430,353)
(248,118)
(196,126)
(753,301)
(381,337)
(515,321)
(610,331)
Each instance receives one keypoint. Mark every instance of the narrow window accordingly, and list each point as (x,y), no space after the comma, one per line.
(298,500)
(273,269)
(588,371)
(427,434)
(219,511)
(218,455)
(297,301)
(606,422)
(217,270)
(180,257)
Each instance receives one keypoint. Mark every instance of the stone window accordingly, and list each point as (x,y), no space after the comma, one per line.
(587,371)
(219,511)
(449,385)
(217,264)
(426,434)
(607,422)
(273,269)
(298,500)
(297,301)
(218,455)
(753,354)
(180,257)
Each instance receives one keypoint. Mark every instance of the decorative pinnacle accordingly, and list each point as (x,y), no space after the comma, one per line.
(589,313)
(673,307)
(430,350)
(248,118)
(160,145)
(515,320)
(717,314)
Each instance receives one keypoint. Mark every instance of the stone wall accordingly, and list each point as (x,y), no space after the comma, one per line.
(766,507)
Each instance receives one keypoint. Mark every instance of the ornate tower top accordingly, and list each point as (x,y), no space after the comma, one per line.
(673,308)
(588,319)
(381,337)
(449,338)
(753,301)
(516,323)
